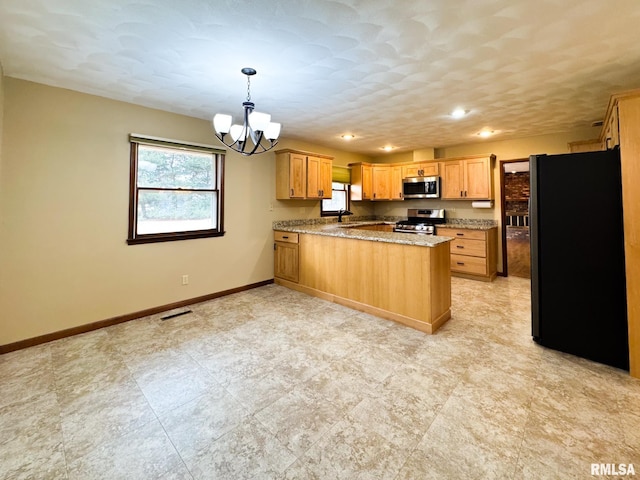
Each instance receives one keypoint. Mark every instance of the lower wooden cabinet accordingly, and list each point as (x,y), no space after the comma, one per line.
(285,259)
(473,252)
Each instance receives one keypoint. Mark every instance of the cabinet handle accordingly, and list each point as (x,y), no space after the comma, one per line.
(459,246)
(465,193)
(460,234)
(284,236)
(275,246)
(292,192)
(374,195)
(460,263)
(461,193)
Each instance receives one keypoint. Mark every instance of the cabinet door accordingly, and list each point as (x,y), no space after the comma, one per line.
(367,182)
(313,177)
(477,179)
(411,170)
(381,182)
(396,182)
(430,169)
(297,175)
(452,180)
(286,261)
(326,174)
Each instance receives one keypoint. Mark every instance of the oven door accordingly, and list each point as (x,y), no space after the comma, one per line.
(421,187)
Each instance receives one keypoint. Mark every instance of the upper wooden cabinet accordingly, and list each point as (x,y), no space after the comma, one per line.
(610,136)
(397,174)
(423,169)
(381,182)
(302,175)
(376,181)
(319,177)
(468,178)
(361,181)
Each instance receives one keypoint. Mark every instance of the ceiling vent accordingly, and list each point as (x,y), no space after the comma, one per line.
(597,123)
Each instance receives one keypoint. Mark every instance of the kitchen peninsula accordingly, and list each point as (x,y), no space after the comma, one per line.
(366,266)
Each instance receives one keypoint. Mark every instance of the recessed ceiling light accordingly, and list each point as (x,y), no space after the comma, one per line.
(459,113)
(485,133)
(348,136)
(387,148)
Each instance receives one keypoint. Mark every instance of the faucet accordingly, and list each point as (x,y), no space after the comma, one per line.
(342,212)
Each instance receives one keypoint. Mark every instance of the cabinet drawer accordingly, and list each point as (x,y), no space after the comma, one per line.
(461,233)
(466,264)
(464,246)
(286,237)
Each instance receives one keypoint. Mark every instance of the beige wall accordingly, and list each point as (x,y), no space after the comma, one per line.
(64,193)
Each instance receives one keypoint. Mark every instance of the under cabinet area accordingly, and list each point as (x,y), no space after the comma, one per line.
(286,264)
(302,175)
(473,252)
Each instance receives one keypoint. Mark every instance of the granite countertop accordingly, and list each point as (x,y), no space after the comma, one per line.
(347,230)
(330,227)
(469,225)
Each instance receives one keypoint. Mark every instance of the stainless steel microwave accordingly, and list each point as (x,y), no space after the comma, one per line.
(421,187)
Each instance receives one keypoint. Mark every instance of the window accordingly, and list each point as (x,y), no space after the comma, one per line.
(339,200)
(175,191)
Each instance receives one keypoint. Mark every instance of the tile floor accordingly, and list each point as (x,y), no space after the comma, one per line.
(273,384)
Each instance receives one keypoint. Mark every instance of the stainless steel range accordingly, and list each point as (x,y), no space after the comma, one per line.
(421,220)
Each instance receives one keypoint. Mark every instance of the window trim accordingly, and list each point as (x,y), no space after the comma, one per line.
(335,213)
(133,238)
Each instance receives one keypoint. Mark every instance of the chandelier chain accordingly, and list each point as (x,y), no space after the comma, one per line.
(248,88)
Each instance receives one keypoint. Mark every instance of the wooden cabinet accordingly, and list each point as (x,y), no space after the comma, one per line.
(302,175)
(625,107)
(473,252)
(424,169)
(611,129)
(319,177)
(468,178)
(285,258)
(409,284)
(585,146)
(396,182)
(381,182)
(361,181)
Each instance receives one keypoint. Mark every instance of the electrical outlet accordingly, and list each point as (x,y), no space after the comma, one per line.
(185,279)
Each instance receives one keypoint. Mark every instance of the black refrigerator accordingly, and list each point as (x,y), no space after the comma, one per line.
(578,287)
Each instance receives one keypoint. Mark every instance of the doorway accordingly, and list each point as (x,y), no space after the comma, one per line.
(514,180)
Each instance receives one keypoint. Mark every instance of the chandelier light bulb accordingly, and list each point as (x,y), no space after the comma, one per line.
(237,132)
(259,121)
(222,122)
(272,132)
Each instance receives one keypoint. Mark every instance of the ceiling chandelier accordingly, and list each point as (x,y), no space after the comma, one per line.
(257,134)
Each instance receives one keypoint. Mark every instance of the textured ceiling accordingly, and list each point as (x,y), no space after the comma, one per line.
(388,72)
